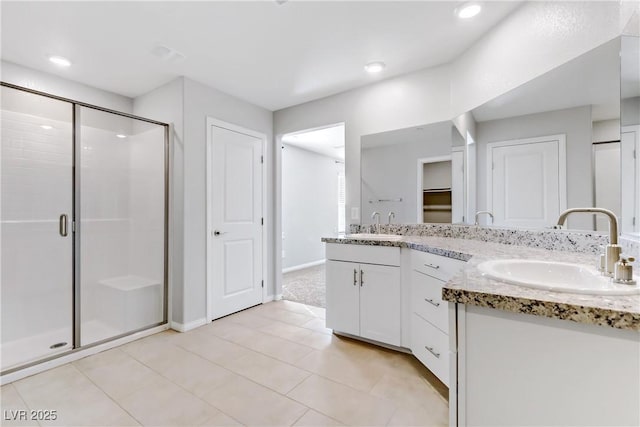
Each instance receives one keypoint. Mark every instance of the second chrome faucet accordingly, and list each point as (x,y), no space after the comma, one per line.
(376,216)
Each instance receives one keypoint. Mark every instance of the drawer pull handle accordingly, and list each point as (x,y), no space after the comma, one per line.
(430,350)
(432,302)
(361,278)
(435,267)
(355,277)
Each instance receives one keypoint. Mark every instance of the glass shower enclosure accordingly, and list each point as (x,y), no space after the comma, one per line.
(83,226)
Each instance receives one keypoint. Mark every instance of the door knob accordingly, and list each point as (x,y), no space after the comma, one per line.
(218,233)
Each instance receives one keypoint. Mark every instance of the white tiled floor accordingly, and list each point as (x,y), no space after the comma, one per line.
(274,364)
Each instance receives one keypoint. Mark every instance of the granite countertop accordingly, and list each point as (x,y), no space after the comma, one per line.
(471,287)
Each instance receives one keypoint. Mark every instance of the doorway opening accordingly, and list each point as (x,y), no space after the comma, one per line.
(313,206)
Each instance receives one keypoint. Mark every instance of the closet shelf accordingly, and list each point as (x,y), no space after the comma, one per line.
(436,190)
(437,208)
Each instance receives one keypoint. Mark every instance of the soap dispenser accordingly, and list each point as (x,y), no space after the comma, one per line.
(623,271)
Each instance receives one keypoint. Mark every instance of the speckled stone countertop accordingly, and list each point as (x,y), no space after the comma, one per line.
(471,287)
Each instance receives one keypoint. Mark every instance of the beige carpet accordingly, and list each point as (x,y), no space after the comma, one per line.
(305,286)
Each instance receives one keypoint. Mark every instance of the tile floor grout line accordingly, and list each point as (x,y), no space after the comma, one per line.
(290,364)
(232,372)
(392,415)
(183,388)
(103,391)
(300,417)
(284,338)
(23,399)
(339,356)
(249,348)
(299,367)
(395,406)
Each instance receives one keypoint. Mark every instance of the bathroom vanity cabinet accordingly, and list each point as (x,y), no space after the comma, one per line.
(363,292)
(517,369)
(392,296)
(430,314)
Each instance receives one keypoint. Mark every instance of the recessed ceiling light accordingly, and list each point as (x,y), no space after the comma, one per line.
(60,61)
(374,67)
(46,127)
(121,136)
(468,10)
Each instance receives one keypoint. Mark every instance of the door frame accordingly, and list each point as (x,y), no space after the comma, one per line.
(420,174)
(277,165)
(211,121)
(562,165)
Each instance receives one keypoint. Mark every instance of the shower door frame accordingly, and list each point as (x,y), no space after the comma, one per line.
(75,226)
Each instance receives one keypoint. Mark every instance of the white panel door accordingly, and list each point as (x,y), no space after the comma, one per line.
(630,179)
(526,182)
(606,159)
(235,234)
(343,296)
(380,303)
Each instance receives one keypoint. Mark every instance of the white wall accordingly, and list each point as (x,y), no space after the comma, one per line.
(166,104)
(391,172)
(410,100)
(630,111)
(187,104)
(200,102)
(309,204)
(606,130)
(575,123)
(48,83)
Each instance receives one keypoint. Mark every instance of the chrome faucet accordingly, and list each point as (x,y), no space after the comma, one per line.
(373,215)
(483,212)
(391,216)
(613,249)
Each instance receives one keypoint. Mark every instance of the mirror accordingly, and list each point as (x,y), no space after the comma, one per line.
(550,144)
(553,143)
(410,172)
(630,134)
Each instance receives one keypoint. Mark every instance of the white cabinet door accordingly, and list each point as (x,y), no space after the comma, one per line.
(343,296)
(527,181)
(380,303)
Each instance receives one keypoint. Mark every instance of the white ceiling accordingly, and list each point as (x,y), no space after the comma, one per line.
(268,54)
(590,79)
(327,141)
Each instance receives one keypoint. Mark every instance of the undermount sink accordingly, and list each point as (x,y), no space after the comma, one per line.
(555,276)
(368,236)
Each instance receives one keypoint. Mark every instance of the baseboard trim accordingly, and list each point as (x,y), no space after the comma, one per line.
(303,266)
(184,327)
(270,298)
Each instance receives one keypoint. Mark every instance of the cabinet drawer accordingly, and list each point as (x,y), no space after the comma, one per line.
(431,347)
(426,300)
(435,265)
(383,255)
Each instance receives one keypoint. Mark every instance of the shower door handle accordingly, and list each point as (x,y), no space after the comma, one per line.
(63,225)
